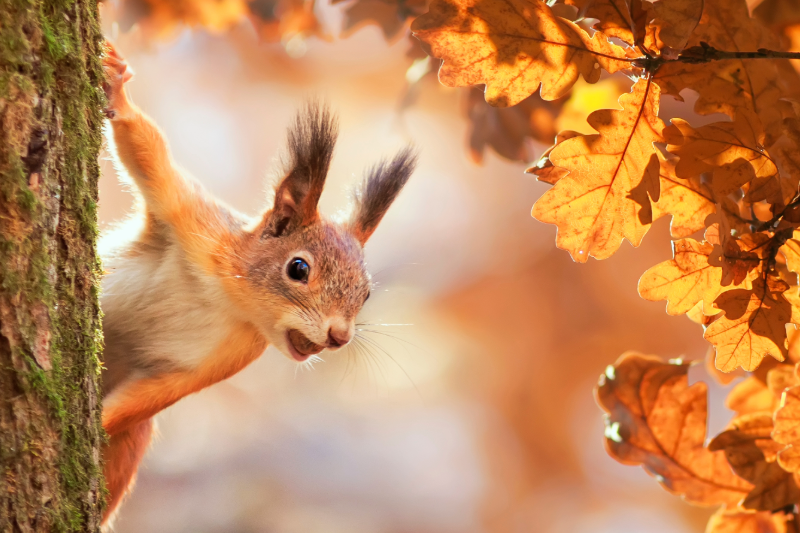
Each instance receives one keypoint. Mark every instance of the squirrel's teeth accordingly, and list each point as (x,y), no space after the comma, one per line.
(302,344)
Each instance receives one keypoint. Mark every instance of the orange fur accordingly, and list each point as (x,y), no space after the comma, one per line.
(122,456)
(171,197)
(195,292)
(144,398)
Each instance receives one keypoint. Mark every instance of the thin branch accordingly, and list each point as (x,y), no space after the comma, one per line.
(705,53)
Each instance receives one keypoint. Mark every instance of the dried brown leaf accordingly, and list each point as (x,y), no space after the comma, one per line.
(752,454)
(657,420)
(390,15)
(509,130)
(675,20)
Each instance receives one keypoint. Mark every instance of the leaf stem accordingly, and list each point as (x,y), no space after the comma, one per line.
(705,53)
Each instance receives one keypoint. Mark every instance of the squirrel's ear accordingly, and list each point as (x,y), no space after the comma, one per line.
(311,139)
(379,189)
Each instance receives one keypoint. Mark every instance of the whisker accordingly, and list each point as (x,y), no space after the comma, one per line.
(379,347)
(381,324)
(394,337)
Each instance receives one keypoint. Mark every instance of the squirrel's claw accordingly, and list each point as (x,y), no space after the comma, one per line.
(117,73)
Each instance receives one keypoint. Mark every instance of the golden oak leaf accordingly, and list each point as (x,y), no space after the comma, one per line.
(742,257)
(794,344)
(544,169)
(791,251)
(726,86)
(675,20)
(751,396)
(623,19)
(753,326)
(723,378)
(697,315)
(390,15)
(786,155)
(513,47)
(780,378)
(509,130)
(604,198)
(689,201)
(732,151)
(725,521)
(684,280)
(657,420)
(787,429)
(752,454)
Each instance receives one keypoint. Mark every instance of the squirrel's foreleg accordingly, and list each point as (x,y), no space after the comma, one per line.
(122,456)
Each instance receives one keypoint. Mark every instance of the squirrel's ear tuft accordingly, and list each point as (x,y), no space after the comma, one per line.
(383,183)
(311,140)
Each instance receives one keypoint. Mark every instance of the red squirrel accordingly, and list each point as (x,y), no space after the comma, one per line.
(195,291)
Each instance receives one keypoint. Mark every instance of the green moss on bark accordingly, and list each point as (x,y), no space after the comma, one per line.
(50,337)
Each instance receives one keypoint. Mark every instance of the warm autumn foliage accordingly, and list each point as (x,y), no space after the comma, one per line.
(730,187)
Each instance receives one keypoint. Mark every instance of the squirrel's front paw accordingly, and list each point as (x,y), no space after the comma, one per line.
(117,74)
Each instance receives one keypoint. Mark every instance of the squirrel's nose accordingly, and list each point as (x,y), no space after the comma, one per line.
(337,339)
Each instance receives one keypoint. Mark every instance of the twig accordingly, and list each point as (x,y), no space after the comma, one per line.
(705,53)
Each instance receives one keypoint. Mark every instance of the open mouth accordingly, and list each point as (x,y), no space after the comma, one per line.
(300,347)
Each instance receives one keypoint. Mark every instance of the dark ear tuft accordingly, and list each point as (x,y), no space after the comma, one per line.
(381,186)
(311,140)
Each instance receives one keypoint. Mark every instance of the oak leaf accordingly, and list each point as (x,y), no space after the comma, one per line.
(604,198)
(513,47)
(508,131)
(657,420)
(390,15)
(753,326)
(281,20)
(728,85)
(697,315)
(726,521)
(689,201)
(544,169)
(786,155)
(791,251)
(684,280)
(742,257)
(732,151)
(675,21)
(751,395)
(623,19)
(787,429)
(752,454)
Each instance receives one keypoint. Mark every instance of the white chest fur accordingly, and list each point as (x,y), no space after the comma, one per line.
(160,309)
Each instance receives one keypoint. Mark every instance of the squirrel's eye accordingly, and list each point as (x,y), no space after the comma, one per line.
(298,270)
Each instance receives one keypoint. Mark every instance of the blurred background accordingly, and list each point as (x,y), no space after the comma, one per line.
(471,409)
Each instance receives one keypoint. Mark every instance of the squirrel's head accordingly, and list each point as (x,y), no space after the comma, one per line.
(306,274)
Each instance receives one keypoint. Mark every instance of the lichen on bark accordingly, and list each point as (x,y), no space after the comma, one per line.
(50,337)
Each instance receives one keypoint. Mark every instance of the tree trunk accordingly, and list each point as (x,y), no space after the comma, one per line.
(50,336)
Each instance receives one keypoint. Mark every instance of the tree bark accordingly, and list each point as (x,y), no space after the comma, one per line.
(50,336)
